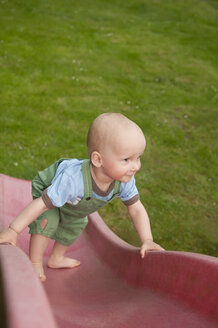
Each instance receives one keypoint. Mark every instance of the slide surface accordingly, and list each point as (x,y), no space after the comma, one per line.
(113,287)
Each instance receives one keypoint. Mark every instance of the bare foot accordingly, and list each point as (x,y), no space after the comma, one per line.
(62,263)
(39,270)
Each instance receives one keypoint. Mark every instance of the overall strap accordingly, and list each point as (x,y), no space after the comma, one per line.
(116,187)
(87,178)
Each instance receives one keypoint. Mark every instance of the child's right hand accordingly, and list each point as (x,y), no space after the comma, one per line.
(8,236)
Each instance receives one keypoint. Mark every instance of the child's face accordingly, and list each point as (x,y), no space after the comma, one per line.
(121,160)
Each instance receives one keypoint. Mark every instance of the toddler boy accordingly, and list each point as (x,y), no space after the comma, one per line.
(71,189)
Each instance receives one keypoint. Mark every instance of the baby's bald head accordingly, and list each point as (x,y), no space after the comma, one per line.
(108,129)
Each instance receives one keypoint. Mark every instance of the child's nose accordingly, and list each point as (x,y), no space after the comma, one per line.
(136,165)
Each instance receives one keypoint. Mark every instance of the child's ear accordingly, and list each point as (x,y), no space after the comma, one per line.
(96,159)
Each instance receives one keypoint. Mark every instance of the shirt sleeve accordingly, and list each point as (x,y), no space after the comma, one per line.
(61,190)
(63,187)
(129,193)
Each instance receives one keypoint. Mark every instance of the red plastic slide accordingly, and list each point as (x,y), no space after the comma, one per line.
(113,287)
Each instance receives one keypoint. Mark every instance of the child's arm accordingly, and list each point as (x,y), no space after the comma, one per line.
(28,215)
(141,223)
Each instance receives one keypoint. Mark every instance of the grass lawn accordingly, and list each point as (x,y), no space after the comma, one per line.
(64,62)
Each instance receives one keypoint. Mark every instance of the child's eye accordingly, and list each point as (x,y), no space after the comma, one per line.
(125,159)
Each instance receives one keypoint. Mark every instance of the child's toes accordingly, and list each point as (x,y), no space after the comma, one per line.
(42,277)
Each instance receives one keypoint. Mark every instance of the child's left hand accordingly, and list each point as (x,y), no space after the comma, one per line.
(149,245)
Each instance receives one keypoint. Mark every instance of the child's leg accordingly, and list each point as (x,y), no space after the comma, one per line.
(38,244)
(67,232)
(42,229)
(57,259)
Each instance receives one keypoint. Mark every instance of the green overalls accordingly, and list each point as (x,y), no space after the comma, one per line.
(66,223)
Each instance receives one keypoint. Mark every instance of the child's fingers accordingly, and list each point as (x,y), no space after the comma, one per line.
(143,251)
(7,242)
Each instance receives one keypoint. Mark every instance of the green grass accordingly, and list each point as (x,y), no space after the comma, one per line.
(64,62)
